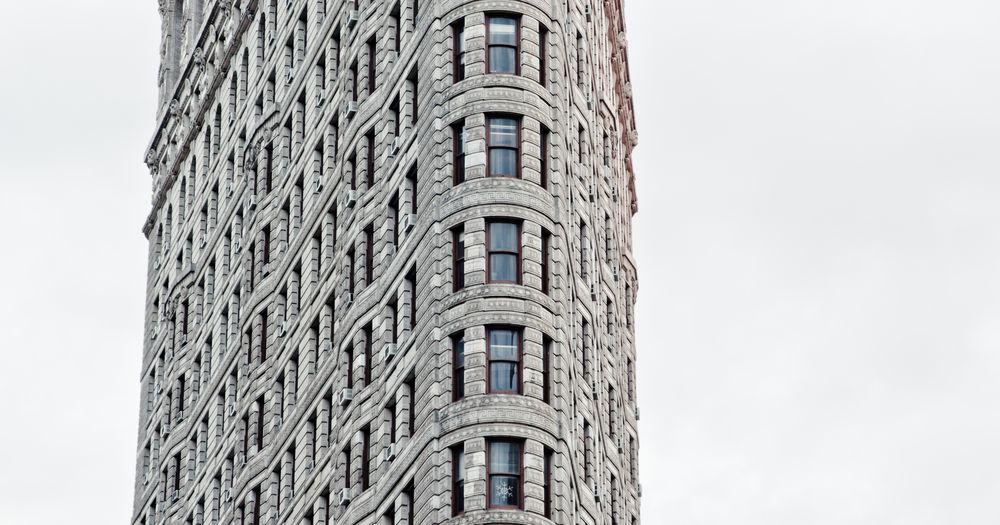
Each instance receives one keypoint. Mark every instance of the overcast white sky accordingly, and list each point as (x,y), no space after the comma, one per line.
(818,239)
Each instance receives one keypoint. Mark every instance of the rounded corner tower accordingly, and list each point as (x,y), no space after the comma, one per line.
(391,278)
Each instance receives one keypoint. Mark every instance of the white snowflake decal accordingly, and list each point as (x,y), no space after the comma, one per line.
(505,490)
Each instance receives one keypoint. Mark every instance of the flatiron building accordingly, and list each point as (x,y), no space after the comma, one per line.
(390,269)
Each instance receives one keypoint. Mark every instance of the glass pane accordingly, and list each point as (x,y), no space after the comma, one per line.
(505,458)
(503,132)
(504,491)
(502,31)
(503,60)
(503,267)
(460,353)
(503,163)
(503,345)
(503,237)
(503,377)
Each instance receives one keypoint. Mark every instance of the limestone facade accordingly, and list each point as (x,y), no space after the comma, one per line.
(390,268)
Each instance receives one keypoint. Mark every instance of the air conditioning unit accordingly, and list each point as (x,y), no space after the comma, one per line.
(157,263)
(241,460)
(231,190)
(345,496)
(165,430)
(409,222)
(227,495)
(348,299)
(345,396)
(145,478)
(184,339)
(390,251)
(203,241)
(283,328)
(231,410)
(232,117)
(265,269)
(352,17)
(237,245)
(389,351)
(173,495)
(350,108)
(321,97)
(352,198)
(326,347)
(252,202)
(289,75)
(318,185)
(310,466)
(270,35)
(158,386)
(394,146)
(389,453)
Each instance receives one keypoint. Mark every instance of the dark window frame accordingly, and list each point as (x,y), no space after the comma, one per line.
(519,331)
(520,474)
(457,369)
(517,141)
(458,257)
(490,251)
(516,46)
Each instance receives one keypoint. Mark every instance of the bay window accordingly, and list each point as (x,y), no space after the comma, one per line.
(503,44)
(503,240)
(503,140)
(503,470)
(504,354)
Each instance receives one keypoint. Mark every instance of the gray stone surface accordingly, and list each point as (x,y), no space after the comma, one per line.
(276,291)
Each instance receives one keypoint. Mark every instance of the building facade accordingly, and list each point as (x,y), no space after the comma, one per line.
(390,267)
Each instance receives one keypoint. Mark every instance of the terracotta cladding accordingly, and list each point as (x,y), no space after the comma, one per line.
(301,309)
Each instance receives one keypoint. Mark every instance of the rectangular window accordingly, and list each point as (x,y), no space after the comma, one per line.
(503,240)
(369,254)
(544,158)
(503,44)
(366,460)
(548,482)
(503,471)
(352,271)
(546,257)
(458,50)
(371,65)
(370,161)
(368,354)
(543,55)
(458,152)
(457,480)
(503,142)
(504,355)
(546,370)
(458,257)
(458,367)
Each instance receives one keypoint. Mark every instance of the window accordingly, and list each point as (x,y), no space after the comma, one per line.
(457,480)
(546,248)
(369,254)
(503,142)
(368,354)
(503,45)
(366,461)
(504,361)
(547,369)
(503,470)
(504,262)
(458,257)
(458,152)
(548,482)
(543,55)
(458,50)
(458,367)
(371,65)
(544,158)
